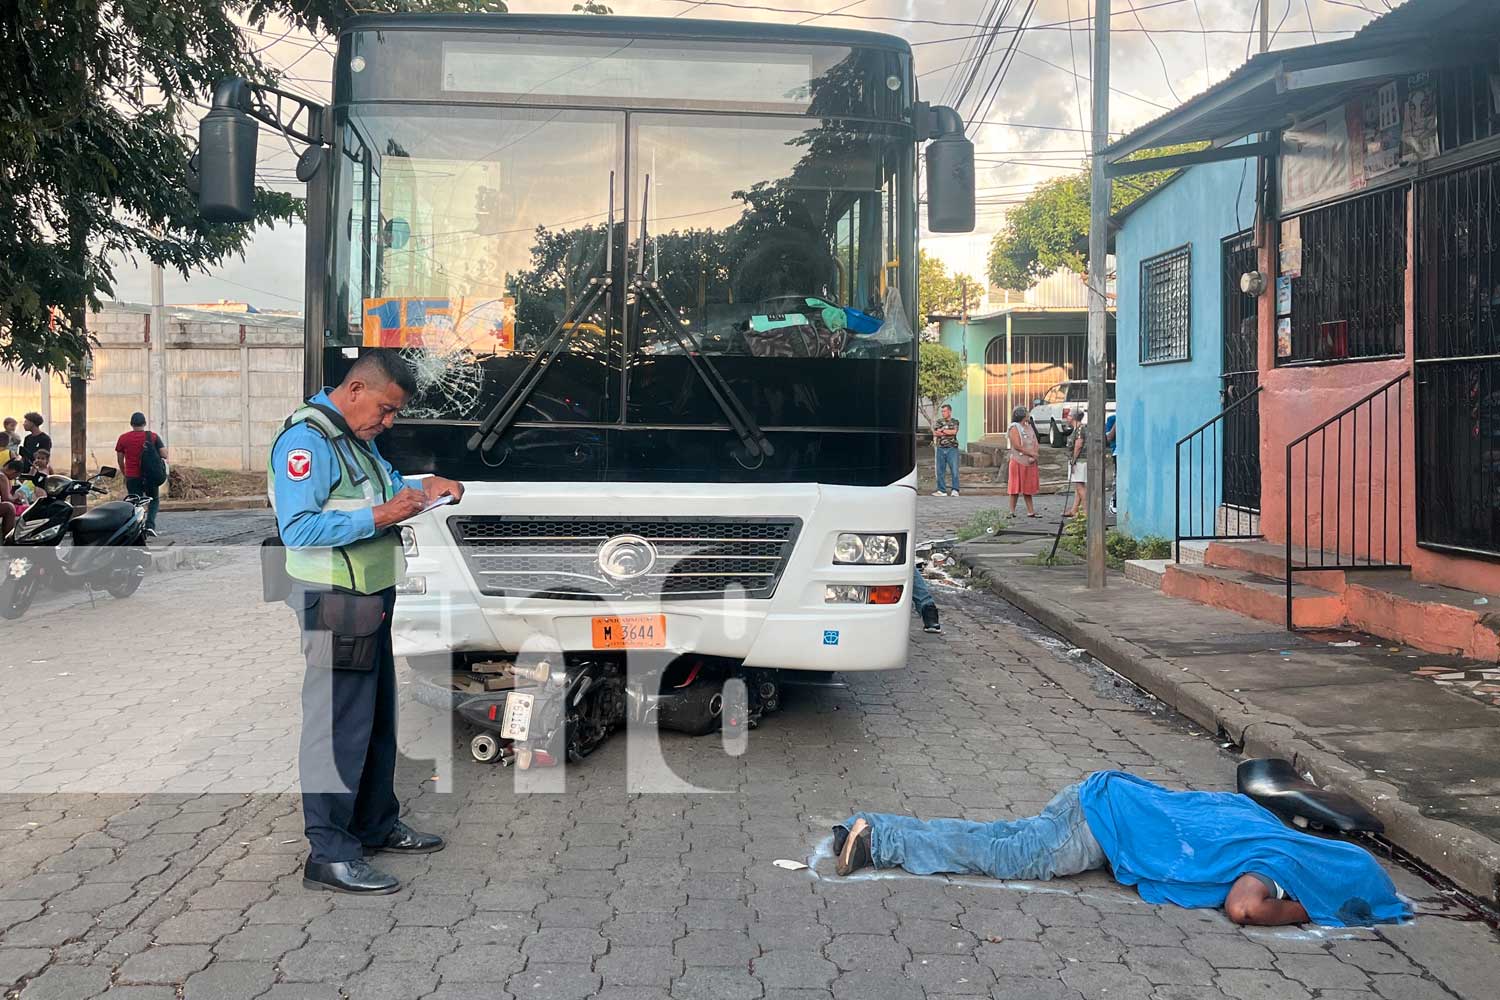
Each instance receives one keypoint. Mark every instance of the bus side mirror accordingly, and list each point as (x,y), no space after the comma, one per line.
(226,156)
(950,171)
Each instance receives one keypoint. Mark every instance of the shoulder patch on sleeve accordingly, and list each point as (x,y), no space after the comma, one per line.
(298,464)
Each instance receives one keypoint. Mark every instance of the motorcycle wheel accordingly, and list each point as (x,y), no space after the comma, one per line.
(16,596)
(125,582)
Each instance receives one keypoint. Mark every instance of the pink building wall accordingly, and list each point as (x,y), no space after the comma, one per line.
(1296,399)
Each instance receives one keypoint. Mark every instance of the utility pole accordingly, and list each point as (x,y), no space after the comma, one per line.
(1265,25)
(78,386)
(156,357)
(1098,340)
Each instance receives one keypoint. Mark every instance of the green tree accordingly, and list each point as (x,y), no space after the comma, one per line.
(940,374)
(591,7)
(325,16)
(941,292)
(1045,231)
(96,126)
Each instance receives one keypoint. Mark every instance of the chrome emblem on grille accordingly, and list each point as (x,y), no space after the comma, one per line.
(626,557)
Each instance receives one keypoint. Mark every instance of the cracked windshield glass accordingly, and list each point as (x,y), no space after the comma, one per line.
(470,235)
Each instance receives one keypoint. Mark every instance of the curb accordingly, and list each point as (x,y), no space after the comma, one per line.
(1469,859)
(194,557)
(220,503)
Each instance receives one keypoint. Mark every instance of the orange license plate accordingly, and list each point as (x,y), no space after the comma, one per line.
(630,631)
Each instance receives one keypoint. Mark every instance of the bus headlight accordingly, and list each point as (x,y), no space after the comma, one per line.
(409,540)
(854,549)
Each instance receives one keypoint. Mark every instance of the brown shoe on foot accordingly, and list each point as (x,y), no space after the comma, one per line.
(855,853)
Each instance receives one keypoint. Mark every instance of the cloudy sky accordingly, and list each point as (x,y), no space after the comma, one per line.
(1164,51)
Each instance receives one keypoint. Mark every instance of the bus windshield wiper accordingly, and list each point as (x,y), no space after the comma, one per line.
(754,447)
(499,418)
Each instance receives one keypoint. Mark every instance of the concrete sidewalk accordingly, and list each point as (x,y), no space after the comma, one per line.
(1359,718)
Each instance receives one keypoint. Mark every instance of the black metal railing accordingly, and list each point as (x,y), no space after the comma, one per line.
(1207,446)
(1336,501)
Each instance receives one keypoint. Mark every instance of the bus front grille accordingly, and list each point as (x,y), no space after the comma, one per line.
(557,557)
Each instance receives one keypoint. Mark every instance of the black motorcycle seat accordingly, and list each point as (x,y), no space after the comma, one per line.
(105,519)
(1275,784)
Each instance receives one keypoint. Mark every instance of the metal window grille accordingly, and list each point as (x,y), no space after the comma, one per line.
(1457,402)
(1350,299)
(1466,105)
(1166,306)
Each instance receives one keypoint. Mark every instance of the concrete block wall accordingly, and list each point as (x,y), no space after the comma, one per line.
(231,381)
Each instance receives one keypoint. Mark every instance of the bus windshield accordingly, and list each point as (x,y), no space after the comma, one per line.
(781,246)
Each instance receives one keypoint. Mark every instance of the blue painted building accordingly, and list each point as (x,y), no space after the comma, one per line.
(1170,249)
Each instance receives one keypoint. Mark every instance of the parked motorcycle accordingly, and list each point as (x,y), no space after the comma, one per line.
(103,548)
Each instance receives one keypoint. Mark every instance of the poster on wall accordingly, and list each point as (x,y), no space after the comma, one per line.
(1284,295)
(1289,260)
(1343,149)
(1419,123)
(1382,131)
(1284,337)
(1315,160)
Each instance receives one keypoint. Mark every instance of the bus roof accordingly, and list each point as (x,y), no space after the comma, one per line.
(643,27)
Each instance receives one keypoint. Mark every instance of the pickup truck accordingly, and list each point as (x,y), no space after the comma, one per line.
(1049,414)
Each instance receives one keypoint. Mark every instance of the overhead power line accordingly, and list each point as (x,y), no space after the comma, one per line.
(1166,73)
(1072,24)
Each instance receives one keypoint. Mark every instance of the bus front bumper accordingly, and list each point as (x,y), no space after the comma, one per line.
(794,629)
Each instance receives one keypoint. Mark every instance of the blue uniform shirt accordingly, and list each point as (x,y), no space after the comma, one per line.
(299,501)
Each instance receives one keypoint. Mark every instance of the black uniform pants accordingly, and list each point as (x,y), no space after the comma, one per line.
(347,758)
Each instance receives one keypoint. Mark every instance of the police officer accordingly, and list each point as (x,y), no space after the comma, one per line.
(337,504)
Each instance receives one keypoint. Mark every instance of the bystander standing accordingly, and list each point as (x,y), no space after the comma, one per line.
(1078,471)
(130,453)
(945,451)
(1025,477)
(36,438)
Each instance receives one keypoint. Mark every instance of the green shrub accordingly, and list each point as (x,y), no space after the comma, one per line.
(1075,534)
(1120,546)
(983,523)
(1155,547)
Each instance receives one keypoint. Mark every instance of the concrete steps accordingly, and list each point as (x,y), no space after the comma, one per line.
(1249,578)
(1269,560)
(1253,595)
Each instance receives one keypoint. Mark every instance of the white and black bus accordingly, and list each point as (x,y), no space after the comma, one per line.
(658,281)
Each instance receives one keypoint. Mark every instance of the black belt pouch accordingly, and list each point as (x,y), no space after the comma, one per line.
(345,631)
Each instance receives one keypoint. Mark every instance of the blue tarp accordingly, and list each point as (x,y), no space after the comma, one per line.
(1188,848)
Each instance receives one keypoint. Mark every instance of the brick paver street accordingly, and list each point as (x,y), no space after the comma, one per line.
(150,838)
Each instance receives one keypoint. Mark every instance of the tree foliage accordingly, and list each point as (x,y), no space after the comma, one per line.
(1045,231)
(940,375)
(941,292)
(98,105)
(325,16)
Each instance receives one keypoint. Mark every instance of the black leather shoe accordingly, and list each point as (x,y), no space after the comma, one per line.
(358,877)
(404,840)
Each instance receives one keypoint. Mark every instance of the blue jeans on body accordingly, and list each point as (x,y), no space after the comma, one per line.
(1055,843)
(921,594)
(947,460)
